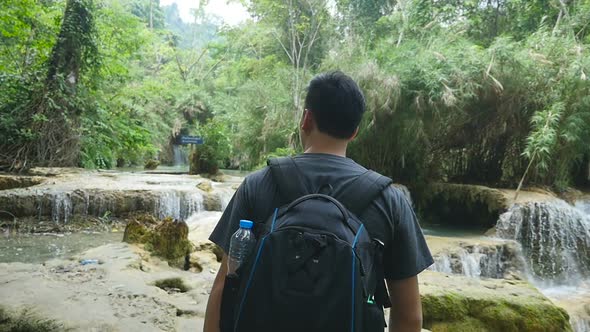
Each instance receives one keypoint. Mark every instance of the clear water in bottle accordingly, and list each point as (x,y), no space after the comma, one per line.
(240,246)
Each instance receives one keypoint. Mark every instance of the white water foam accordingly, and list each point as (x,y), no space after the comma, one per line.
(178,205)
(555,239)
(473,262)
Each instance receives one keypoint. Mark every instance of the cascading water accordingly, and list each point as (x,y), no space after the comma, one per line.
(178,205)
(555,240)
(62,207)
(580,325)
(494,261)
(180,157)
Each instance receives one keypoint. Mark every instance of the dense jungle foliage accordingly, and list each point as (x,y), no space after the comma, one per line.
(480,91)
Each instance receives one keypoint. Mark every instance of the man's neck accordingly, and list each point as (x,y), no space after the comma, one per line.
(337,149)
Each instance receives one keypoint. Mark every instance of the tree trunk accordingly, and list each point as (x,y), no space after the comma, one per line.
(523,177)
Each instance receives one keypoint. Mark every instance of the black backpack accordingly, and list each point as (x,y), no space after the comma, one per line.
(315,266)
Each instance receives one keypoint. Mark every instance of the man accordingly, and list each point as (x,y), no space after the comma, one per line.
(334,106)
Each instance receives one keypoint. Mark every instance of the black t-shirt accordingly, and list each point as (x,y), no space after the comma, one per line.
(390,218)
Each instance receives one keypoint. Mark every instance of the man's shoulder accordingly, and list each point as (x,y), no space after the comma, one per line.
(257,177)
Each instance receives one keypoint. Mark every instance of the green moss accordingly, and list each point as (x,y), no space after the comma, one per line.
(151,164)
(27,321)
(455,312)
(135,232)
(167,239)
(172,283)
(170,239)
(465,325)
(445,307)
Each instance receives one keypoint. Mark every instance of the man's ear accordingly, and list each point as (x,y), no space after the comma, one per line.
(308,122)
(356,132)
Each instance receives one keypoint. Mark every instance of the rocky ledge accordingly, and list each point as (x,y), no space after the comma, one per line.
(477,257)
(462,304)
(61,197)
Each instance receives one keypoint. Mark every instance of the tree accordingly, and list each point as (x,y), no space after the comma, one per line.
(302,25)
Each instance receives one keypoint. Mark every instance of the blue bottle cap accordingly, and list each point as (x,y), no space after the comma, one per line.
(247,224)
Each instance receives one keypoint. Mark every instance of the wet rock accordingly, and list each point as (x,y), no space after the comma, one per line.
(212,202)
(202,260)
(54,171)
(116,195)
(205,186)
(476,257)
(13,181)
(460,304)
(218,177)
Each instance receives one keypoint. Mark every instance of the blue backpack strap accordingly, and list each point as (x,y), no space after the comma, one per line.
(288,177)
(357,197)
(366,188)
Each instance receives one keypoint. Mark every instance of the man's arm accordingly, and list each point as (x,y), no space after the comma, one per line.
(406,308)
(213,312)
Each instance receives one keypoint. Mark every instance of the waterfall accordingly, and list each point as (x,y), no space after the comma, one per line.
(61,209)
(442,263)
(583,206)
(580,325)
(471,262)
(475,261)
(179,155)
(178,205)
(555,239)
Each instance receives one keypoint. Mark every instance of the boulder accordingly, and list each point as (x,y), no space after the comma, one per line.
(212,202)
(461,304)
(167,239)
(218,177)
(205,186)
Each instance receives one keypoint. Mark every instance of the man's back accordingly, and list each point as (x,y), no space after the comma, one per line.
(389,219)
(333,110)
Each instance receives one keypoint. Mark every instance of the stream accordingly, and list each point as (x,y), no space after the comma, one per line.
(546,243)
(27,248)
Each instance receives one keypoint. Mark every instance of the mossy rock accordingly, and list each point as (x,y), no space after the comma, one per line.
(205,186)
(170,239)
(135,232)
(167,239)
(151,164)
(139,228)
(460,304)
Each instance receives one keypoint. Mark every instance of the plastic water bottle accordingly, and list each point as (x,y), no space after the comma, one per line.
(240,246)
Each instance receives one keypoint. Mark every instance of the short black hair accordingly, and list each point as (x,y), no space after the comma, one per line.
(336,102)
